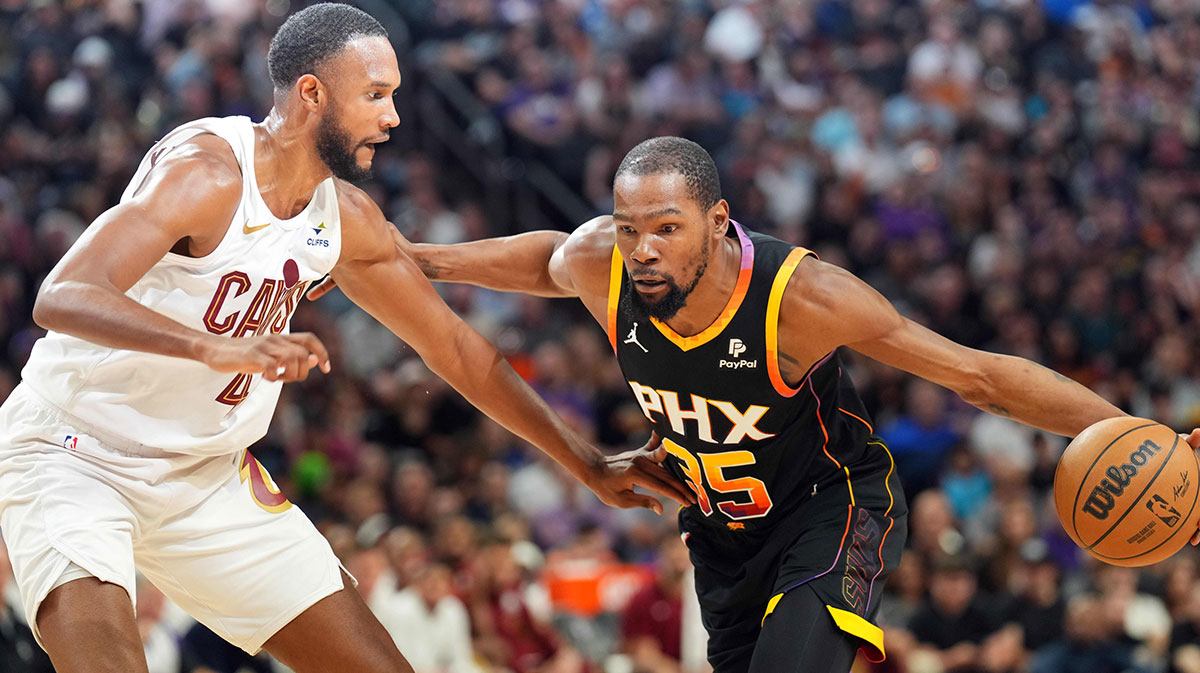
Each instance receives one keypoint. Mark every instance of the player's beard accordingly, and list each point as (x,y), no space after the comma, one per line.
(337,148)
(671,301)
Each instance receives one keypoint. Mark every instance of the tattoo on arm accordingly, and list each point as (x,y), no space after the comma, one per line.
(790,368)
(789,359)
(1060,377)
(431,272)
(999,410)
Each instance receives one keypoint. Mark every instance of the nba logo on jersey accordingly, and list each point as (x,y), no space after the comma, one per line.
(70,442)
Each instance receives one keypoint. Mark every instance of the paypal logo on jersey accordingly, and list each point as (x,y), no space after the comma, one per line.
(316,239)
(736,348)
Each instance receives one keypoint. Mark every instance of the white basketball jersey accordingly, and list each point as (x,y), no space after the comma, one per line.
(248,285)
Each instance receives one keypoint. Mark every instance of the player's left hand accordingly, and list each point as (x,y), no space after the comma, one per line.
(618,475)
(1193,441)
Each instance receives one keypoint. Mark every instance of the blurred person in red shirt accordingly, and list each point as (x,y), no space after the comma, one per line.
(652,622)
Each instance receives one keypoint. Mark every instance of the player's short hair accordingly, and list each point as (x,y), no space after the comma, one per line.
(312,36)
(671,154)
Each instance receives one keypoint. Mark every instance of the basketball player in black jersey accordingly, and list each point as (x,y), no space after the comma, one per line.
(728,340)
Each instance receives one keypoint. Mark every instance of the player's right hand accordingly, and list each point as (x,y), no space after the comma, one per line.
(278,357)
(617,475)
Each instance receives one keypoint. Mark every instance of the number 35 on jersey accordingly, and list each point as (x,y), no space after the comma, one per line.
(706,471)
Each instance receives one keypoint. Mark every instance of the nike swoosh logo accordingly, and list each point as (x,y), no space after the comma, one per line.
(247,229)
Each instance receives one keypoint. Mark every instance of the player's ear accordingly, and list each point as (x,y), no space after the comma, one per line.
(310,91)
(719,216)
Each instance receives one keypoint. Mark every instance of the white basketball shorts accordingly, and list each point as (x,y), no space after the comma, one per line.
(213,533)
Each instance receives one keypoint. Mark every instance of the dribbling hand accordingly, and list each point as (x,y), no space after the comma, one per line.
(617,475)
(1193,441)
(278,357)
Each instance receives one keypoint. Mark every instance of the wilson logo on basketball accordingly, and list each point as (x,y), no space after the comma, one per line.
(1103,497)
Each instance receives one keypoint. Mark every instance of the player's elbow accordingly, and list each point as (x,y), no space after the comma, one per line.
(48,305)
(464,360)
(974,384)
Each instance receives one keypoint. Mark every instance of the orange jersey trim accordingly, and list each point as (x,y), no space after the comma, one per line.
(888,513)
(861,420)
(773,303)
(731,307)
(614,295)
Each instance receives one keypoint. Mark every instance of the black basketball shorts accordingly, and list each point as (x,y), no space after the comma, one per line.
(842,543)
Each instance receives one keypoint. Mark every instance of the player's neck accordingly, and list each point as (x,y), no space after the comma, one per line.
(287,165)
(712,293)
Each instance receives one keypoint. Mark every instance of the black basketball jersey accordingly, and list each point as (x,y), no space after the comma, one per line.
(752,447)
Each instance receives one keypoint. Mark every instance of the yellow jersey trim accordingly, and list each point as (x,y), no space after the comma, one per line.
(770,608)
(860,628)
(773,302)
(614,295)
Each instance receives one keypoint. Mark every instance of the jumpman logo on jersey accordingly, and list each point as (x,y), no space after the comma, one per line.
(632,338)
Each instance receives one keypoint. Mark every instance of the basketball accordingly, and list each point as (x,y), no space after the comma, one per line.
(1125,491)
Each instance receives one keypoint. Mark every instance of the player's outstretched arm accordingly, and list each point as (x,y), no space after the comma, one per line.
(541,263)
(190,196)
(521,263)
(386,283)
(840,309)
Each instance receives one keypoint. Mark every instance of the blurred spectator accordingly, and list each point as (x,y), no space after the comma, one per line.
(955,620)
(160,642)
(921,439)
(1090,644)
(1039,606)
(429,623)
(1185,637)
(507,631)
(19,652)
(652,624)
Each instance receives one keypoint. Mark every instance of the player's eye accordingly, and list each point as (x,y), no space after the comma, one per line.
(668,228)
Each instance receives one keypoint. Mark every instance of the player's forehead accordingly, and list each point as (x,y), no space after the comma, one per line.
(366,61)
(637,197)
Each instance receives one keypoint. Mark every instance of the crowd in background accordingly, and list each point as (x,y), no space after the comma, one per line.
(1019,175)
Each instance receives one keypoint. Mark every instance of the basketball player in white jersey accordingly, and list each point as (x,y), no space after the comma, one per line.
(168,343)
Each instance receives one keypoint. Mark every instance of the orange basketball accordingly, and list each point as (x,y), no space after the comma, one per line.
(1125,490)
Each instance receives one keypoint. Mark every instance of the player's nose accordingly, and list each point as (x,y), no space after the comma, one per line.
(391,118)
(645,252)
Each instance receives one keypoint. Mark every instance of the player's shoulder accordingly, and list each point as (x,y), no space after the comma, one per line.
(366,233)
(355,205)
(207,158)
(816,285)
(823,298)
(200,174)
(590,246)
